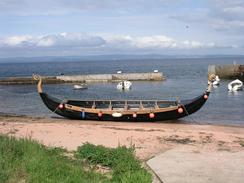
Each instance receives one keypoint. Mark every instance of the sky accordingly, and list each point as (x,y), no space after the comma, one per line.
(30,28)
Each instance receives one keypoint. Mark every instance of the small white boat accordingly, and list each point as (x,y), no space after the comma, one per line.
(216,81)
(80,86)
(235,85)
(213,80)
(124,85)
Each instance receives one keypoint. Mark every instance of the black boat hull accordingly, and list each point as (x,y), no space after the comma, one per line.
(188,106)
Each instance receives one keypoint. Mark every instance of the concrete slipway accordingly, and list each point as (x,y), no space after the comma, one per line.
(189,165)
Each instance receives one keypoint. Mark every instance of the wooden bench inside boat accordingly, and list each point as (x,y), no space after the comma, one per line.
(122,105)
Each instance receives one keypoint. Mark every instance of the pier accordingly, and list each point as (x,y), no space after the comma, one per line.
(229,71)
(150,76)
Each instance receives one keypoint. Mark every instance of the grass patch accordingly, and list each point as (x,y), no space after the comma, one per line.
(125,167)
(24,160)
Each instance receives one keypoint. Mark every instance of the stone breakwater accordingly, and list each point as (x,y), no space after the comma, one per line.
(150,76)
(228,71)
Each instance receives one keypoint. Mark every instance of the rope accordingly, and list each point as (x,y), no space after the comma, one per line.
(187,113)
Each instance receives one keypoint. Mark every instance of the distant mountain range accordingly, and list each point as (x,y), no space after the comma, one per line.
(108,57)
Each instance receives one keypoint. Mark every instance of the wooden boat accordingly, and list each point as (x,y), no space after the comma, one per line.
(128,110)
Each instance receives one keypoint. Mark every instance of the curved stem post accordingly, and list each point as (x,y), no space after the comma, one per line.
(39,85)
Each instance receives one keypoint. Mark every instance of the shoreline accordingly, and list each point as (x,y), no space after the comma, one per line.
(149,139)
(178,121)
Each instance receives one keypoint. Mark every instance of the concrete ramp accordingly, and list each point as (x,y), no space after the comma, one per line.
(187,165)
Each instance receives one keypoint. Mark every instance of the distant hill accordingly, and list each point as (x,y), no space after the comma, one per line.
(107,57)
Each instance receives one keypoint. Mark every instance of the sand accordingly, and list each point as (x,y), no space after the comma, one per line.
(149,139)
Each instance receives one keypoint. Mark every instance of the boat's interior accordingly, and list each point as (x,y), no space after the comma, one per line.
(121,105)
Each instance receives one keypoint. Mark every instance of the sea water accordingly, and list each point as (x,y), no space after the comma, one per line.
(186,78)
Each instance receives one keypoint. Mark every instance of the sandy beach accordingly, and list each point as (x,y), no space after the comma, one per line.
(149,139)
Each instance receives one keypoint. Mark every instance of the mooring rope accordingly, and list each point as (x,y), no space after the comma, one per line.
(183,106)
(188,114)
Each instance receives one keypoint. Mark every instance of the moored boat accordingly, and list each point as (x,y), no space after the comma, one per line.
(124,85)
(80,86)
(235,86)
(118,110)
(214,80)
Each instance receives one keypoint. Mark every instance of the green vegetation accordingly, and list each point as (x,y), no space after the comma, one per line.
(24,160)
(121,160)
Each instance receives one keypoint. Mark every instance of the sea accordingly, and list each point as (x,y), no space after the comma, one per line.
(186,78)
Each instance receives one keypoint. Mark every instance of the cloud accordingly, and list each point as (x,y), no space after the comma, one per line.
(82,43)
(55,7)
(155,42)
(142,42)
(52,41)
(158,41)
(193,16)
(220,15)
(227,15)
(131,25)
(16,40)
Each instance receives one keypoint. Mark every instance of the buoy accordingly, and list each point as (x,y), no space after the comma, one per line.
(61,106)
(180,110)
(205,97)
(151,115)
(134,115)
(116,114)
(100,114)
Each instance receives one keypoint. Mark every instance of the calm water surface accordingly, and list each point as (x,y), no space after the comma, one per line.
(186,78)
